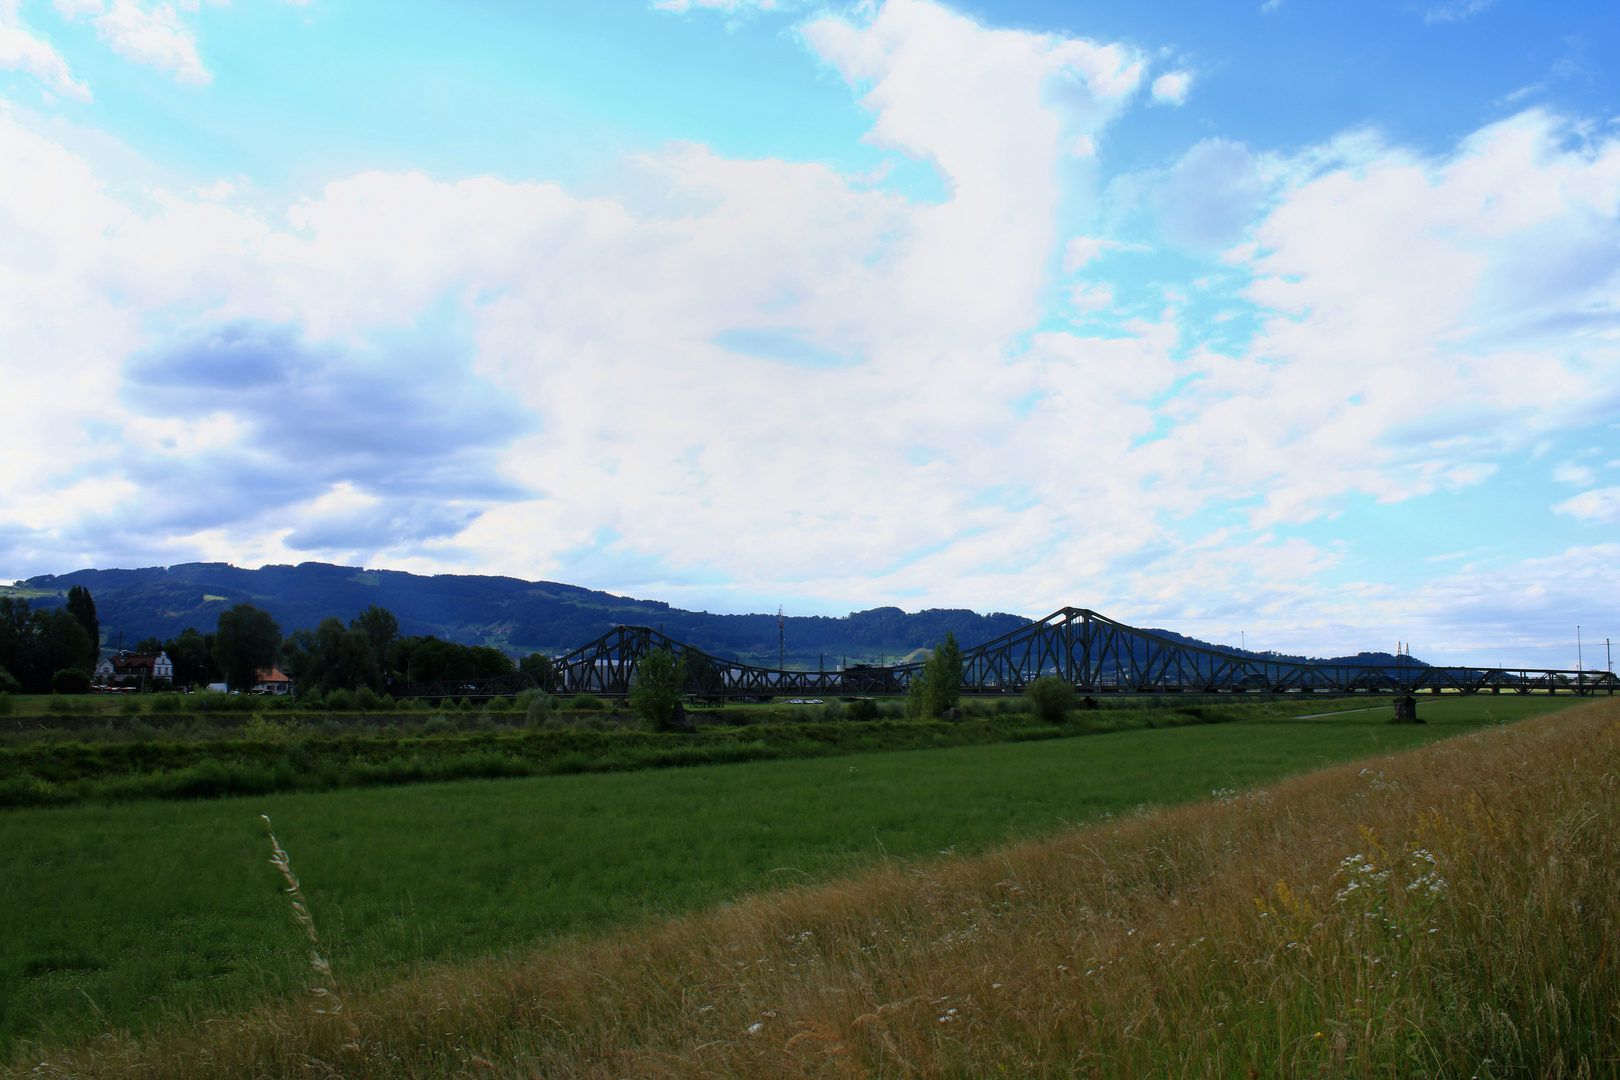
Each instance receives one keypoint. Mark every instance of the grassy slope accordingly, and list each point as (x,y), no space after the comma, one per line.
(121,915)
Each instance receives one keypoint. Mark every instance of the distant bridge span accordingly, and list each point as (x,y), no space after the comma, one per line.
(1093,652)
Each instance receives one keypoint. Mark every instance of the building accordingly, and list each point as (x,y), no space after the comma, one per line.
(271,681)
(128,667)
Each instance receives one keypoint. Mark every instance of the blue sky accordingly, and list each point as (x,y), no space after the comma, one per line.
(1288,318)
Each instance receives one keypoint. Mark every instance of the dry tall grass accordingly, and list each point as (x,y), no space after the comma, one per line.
(1450,912)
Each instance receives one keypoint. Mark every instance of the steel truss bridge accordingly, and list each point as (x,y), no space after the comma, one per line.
(1091,651)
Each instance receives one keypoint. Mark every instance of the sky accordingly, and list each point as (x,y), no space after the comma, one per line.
(1286,322)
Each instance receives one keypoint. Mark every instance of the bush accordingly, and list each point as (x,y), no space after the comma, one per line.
(657,687)
(498,704)
(366,699)
(339,700)
(258,729)
(938,686)
(5,704)
(165,703)
(537,707)
(862,709)
(312,701)
(919,698)
(70,680)
(1050,697)
(585,703)
(438,724)
(130,706)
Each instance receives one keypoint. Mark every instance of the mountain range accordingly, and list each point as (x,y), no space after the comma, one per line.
(518,616)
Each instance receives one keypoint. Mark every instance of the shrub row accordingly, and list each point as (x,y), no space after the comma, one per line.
(268,757)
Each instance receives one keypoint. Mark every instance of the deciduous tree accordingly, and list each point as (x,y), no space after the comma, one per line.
(1050,697)
(540,667)
(35,645)
(192,654)
(657,686)
(82,606)
(330,658)
(938,686)
(380,628)
(246,641)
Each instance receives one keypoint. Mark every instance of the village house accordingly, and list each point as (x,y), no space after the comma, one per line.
(128,667)
(271,681)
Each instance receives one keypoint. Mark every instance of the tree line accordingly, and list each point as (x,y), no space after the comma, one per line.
(56,650)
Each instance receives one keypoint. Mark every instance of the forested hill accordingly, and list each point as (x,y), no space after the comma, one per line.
(519,616)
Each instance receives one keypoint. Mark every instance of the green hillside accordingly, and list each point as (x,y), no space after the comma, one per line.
(519,616)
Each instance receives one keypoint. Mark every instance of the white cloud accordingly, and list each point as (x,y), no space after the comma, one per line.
(682,6)
(1088,298)
(1408,314)
(1456,10)
(220,189)
(1600,505)
(964,452)
(150,33)
(21,49)
(1087,249)
(1209,197)
(1569,472)
(1172,88)
(1523,612)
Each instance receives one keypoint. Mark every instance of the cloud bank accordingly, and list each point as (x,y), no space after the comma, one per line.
(801,382)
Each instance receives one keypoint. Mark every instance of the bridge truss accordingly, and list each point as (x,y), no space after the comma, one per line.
(1094,653)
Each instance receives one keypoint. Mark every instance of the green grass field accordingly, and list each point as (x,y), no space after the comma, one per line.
(120,915)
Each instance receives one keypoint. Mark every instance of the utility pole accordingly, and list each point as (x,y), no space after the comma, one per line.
(1578,664)
(781,641)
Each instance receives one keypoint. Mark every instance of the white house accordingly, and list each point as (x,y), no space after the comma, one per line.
(130,667)
(271,681)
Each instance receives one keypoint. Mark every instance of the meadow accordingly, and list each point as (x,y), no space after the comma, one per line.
(98,752)
(127,915)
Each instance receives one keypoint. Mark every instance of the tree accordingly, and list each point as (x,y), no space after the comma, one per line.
(540,667)
(938,686)
(1051,697)
(657,686)
(944,670)
(35,645)
(331,658)
(192,654)
(83,608)
(427,659)
(70,681)
(246,641)
(919,698)
(380,628)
